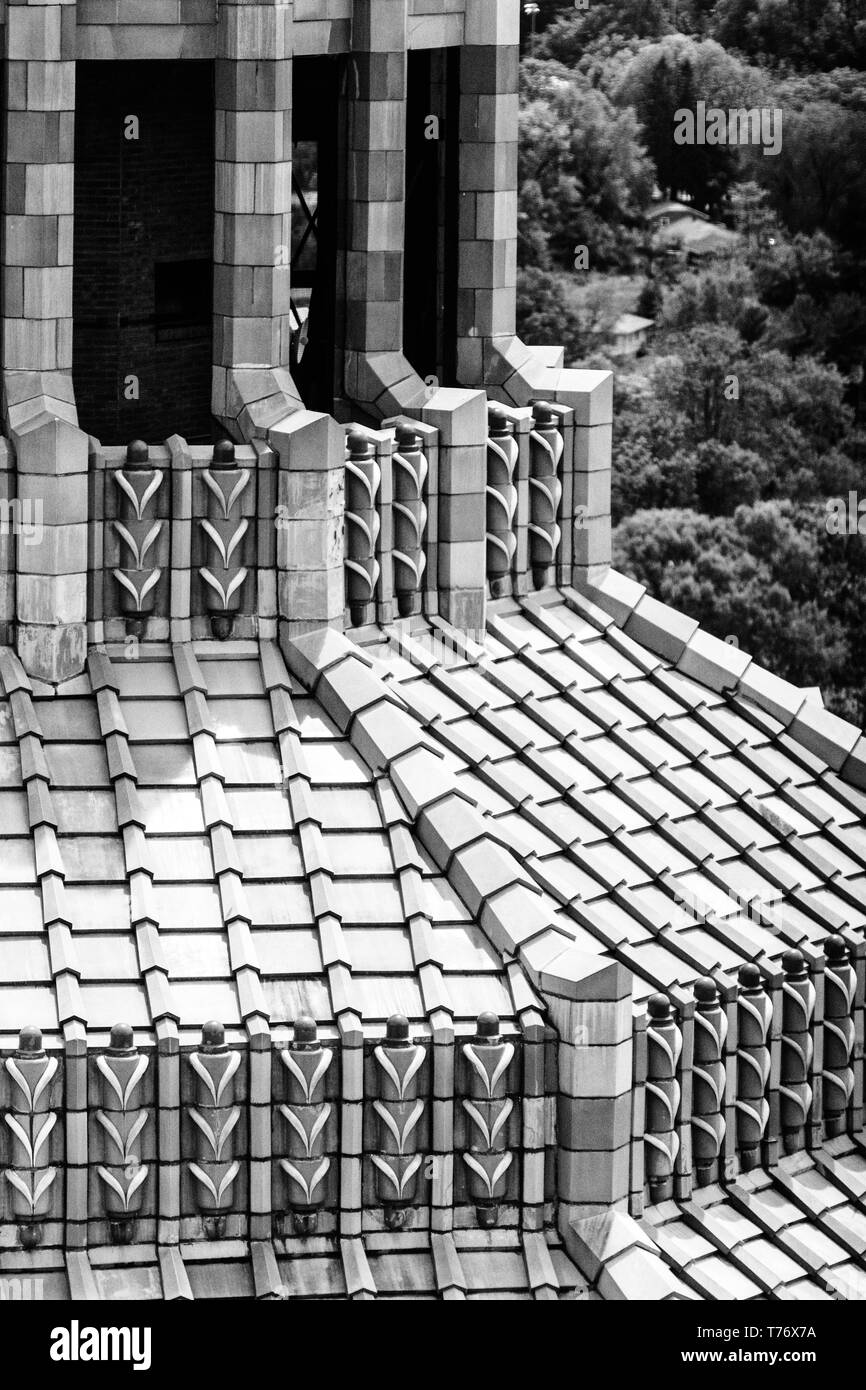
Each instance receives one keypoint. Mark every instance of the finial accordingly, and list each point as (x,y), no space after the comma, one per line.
(224,451)
(659,1008)
(122,1038)
(705,990)
(137,451)
(407,439)
(397,1029)
(305,1029)
(488,1025)
(359,445)
(30,1040)
(794,962)
(213,1036)
(835,948)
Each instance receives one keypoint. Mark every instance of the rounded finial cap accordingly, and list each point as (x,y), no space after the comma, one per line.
(122,1038)
(305,1029)
(224,451)
(542,413)
(213,1034)
(137,451)
(705,990)
(397,1029)
(359,445)
(488,1024)
(658,1006)
(793,962)
(835,948)
(30,1039)
(749,976)
(406,438)
(498,422)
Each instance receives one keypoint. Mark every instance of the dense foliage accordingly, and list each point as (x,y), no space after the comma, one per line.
(746,419)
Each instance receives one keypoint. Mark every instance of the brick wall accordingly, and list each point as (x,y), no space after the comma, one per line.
(139,202)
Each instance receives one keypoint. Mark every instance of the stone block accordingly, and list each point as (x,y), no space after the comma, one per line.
(661,628)
(592,1176)
(589,393)
(593,446)
(55,653)
(707,659)
(825,734)
(308,441)
(592,544)
(59,550)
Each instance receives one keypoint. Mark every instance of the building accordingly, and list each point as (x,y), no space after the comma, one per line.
(630,334)
(394,899)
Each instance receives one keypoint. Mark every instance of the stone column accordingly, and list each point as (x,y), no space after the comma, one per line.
(377,376)
(489,353)
(311,450)
(39,48)
(252,385)
(38,400)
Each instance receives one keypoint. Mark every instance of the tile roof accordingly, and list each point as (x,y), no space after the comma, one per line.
(411,822)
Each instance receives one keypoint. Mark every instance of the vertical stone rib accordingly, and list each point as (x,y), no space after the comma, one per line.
(502,453)
(162,1006)
(236,921)
(332,942)
(754,1015)
(840,988)
(409,514)
(434,993)
(363,477)
(545,495)
(708,1083)
(664,1045)
(57,924)
(795,1093)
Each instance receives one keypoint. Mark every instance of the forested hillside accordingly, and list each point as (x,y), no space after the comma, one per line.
(740,430)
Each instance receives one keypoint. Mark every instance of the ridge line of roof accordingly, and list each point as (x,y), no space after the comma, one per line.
(725,669)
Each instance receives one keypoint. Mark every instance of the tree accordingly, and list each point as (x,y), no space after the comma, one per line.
(817,182)
(770,577)
(584,178)
(544,316)
(670,76)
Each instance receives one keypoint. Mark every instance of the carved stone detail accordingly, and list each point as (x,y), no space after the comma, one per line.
(545,494)
(224,529)
(754,1015)
(488,1107)
(840,986)
(122,1120)
(664,1045)
(138,531)
(399,1110)
(502,455)
(215,1117)
(306,1114)
(708,1083)
(30,1121)
(409,519)
(362,529)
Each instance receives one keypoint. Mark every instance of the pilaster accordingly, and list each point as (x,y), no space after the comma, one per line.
(252,384)
(377,377)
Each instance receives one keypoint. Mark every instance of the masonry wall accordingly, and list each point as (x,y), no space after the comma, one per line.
(141,204)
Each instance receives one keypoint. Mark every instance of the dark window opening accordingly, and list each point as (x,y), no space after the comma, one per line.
(183,299)
(143,250)
(315,118)
(429,303)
